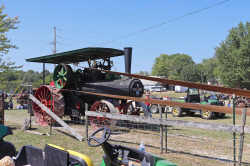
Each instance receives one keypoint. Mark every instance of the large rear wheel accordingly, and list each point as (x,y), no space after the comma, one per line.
(52,99)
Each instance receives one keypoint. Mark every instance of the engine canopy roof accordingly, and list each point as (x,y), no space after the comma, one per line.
(79,55)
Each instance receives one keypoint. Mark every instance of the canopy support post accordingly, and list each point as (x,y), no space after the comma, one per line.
(43,73)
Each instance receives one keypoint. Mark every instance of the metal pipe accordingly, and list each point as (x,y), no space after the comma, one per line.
(128,59)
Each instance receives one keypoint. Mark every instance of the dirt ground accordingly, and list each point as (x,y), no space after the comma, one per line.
(186,147)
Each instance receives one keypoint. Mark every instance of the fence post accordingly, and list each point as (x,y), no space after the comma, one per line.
(86,122)
(166,130)
(161,129)
(30,107)
(234,133)
(244,112)
(2,108)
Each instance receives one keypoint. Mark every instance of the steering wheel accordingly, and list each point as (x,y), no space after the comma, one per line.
(99,141)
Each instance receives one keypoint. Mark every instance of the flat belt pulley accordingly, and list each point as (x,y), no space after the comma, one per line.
(62,76)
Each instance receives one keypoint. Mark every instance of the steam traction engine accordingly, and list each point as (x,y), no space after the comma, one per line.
(66,95)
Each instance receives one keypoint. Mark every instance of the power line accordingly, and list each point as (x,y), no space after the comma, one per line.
(168,21)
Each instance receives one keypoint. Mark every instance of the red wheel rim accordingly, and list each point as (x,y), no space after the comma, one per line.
(99,121)
(54,102)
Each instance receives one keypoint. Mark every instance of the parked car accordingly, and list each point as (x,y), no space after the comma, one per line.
(157,89)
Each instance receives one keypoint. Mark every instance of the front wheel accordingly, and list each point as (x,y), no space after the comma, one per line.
(176,111)
(207,115)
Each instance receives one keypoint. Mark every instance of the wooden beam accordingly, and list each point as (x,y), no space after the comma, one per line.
(179,123)
(195,106)
(56,118)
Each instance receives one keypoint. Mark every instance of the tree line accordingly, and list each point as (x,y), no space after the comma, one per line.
(230,65)
(12,80)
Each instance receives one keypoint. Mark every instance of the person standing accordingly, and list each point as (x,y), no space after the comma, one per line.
(148,113)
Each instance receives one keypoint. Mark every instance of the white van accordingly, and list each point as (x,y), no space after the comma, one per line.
(180,89)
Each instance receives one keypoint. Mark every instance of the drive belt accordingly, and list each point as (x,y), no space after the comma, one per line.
(236,91)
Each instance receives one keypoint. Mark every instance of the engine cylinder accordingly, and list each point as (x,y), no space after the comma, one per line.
(123,87)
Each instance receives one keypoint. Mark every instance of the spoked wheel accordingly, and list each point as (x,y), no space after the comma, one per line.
(207,115)
(129,108)
(102,106)
(54,102)
(61,76)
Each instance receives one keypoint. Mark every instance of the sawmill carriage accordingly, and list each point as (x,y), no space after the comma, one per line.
(71,89)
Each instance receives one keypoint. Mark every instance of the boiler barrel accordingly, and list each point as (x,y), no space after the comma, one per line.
(123,87)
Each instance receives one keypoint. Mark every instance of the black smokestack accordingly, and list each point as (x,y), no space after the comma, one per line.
(128,59)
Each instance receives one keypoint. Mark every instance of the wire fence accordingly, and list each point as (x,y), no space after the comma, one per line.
(183,145)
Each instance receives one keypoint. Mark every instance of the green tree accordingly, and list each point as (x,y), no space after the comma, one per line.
(8,75)
(144,73)
(234,57)
(161,66)
(6,24)
(176,66)
(208,70)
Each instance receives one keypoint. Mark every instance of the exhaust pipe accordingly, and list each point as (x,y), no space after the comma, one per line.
(128,59)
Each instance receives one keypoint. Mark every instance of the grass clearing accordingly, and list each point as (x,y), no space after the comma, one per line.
(191,141)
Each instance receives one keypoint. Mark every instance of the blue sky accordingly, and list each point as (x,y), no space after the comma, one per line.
(86,23)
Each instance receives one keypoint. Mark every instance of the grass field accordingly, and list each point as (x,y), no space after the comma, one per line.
(192,141)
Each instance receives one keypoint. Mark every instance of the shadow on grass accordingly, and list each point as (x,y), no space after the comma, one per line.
(199,116)
(67,134)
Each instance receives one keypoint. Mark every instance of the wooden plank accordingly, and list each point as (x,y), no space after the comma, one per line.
(179,123)
(242,134)
(34,132)
(56,118)
(204,107)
